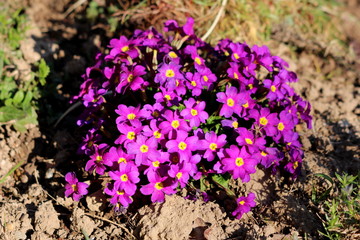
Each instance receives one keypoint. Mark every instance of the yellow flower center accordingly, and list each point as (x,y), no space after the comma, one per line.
(175,124)
(263,121)
(235,124)
(182,145)
(273,88)
(230,102)
(194,112)
(245,105)
(130,78)
(144,148)
(74,187)
(167,96)
(124,177)
(250,86)
(179,175)
(193,83)
(242,202)
(130,135)
(120,192)
(226,53)
(197,60)
(122,160)
(295,165)
(125,48)
(239,161)
(289,143)
(157,134)
(236,76)
(213,146)
(236,56)
(173,55)
(99,158)
(205,78)
(177,82)
(281,126)
(264,154)
(131,116)
(169,73)
(248,141)
(156,164)
(159,185)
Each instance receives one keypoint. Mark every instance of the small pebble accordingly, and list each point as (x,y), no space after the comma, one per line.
(24,178)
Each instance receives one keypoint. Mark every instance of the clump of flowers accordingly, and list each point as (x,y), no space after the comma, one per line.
(166,113)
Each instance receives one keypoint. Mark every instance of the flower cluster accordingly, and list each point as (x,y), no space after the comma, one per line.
(164,112)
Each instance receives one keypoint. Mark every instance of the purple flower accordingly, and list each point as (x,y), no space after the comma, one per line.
(230,123)
(234,72)
(89,142)
(244,205)
(169,97)
(263,57)
(294,165)
(93,97)
(194,112)
(131,78)
(291,139)
(268,156)
(230,100)
(130,115)
(183,144)
(239,163)
(158,187)
(276,91)
(240,54)
(123,47)
(168,74)
(286,123)
(118,195)
(152,130)
(142,148)
(128,133)
(173,123)
(199,62)
(265,120)
(212,144)
(181,173)
(186,30)
(126,177)
(74,188)
(97,162)
(247,138)
(207,78)
(154,162)
(152,111)
(193,83)
(117,155)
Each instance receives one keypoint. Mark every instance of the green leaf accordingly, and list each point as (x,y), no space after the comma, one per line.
(8,113)
(28,97)
(203,186)
(221,179)
(19,97)
(43,72)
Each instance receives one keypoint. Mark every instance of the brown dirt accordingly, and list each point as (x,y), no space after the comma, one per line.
(32,203)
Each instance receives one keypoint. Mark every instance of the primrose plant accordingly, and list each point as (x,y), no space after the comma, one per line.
(171,114)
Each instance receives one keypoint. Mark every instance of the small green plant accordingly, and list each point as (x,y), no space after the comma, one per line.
(340,204)
(17,96)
